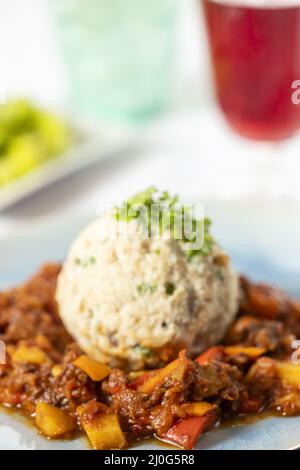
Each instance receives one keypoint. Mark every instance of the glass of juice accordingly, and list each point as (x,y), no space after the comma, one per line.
(255,53)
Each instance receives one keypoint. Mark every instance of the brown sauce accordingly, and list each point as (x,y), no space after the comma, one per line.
(246,420)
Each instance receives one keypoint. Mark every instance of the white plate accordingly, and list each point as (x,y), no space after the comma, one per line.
(23,252)
(90,147)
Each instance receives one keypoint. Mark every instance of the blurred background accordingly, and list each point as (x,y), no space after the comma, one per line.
(102,98)
(33,60)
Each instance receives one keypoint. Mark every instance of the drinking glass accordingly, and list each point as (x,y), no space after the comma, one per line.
(118,54)
(255,55)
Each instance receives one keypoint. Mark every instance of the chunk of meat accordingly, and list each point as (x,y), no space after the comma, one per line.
(263,379)
(217,379)
(31,311)
(263,300)
(267,334)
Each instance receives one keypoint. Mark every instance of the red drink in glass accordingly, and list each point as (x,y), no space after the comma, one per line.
(255,49)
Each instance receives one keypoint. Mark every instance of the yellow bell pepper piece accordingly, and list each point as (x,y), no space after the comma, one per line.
(250,351)
(93,369)
(198,408)
(289,372)
(175,370)
(29,355)
(103,430)
(54,422)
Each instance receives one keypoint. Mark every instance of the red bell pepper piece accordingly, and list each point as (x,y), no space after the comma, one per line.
(216,352)
(186,432)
